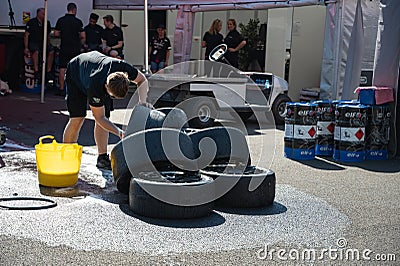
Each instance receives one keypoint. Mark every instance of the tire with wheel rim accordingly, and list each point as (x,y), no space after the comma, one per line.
(279,108)
(201,111)
(171,195)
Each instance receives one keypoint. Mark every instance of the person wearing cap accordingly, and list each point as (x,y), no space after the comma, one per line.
(159,50)
(113,38)
(93,78)
(70,30)
(93,34)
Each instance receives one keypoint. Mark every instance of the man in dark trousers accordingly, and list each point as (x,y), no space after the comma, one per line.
(113,38)
(92,77)
(70,30)
(93,33)
(33,42)
(159,50)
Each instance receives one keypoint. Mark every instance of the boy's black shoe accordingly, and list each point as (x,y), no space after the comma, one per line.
(49,76)
(103,162)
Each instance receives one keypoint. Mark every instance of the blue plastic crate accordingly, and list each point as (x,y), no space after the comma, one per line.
(367,96)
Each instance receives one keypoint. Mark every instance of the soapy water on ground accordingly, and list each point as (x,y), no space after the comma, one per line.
(10,145)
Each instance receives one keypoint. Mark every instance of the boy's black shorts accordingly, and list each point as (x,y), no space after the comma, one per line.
(66,56)
(77,100)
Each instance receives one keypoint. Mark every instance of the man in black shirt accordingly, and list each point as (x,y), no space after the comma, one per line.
(113,38)
(159,50)
(33,41)
(70,29)
(92,77)
(93,33)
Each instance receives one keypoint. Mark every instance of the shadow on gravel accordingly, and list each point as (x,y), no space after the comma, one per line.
(328,163)
(321,163)
(214,219)
(252,128)
(275,208)
(381,166)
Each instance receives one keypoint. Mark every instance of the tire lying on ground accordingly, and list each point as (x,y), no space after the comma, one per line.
(157,149)
(145,118)
(142,118)
(230,146)
(174,118)
(245,193)
(171,195)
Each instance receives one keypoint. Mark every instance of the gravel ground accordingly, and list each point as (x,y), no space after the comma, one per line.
(315,208)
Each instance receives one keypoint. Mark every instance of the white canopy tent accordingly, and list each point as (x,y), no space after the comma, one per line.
(202,5)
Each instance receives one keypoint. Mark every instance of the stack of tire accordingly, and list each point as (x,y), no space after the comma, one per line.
(172,172)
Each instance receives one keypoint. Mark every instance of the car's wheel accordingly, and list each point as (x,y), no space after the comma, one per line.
(240,196)
(201,111)
(161,149)
(231,146)
(170,195)
(279,108)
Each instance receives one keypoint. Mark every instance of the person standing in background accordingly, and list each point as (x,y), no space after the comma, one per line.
(70,30)
(93,32)
(159,50)
(235,42)
(113,38)
(33,42)
(211,39)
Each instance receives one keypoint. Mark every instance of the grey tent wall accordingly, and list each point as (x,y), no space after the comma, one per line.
(340,17)
(387,58)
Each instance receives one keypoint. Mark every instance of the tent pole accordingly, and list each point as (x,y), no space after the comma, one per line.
(44,53)
(338,49)
(146,37)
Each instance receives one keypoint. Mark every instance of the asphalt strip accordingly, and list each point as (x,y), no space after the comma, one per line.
(94,216)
